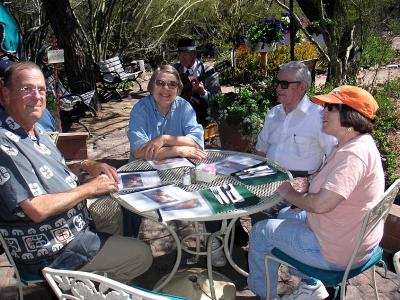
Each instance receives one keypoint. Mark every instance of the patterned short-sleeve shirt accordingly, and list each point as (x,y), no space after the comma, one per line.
(31,166)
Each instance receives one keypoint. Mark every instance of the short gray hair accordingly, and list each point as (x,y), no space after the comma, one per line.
(165,69)
(300,71)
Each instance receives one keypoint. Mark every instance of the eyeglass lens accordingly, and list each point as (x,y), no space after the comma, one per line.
(170,85)
(283,83)
(28,90)
(330,106)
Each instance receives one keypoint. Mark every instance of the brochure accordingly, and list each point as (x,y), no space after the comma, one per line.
(138,180)
(234,163)
(197,206)
(170,163)
(156,198)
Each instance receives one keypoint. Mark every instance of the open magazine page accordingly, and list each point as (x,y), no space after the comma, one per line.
(138,180)
(170,163)
(156,198)
(234,163)
(197,206)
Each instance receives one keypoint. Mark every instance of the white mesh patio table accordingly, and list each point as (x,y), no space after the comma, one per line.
(266,192)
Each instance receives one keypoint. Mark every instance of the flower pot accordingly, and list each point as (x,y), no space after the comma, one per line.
(231,138)
(261,46)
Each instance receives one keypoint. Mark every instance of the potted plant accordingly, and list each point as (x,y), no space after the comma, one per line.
(240,117)
(263,34)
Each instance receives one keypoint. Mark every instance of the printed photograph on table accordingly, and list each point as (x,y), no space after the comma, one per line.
(170,163)
(235,163)
(195,207)
(156,198)
(138,180)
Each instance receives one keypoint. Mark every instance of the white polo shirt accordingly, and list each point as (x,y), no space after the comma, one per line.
(295,140)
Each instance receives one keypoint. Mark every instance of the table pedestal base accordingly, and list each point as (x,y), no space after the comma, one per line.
(194,284)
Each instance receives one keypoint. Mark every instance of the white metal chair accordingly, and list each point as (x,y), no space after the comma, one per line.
(339,278)
(83,285)
(396,262)
(23,279)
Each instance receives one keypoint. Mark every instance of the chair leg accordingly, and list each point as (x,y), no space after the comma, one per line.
(20,291)
(268,296)
(373,282)
(140,86)
(84,126)
(396,262)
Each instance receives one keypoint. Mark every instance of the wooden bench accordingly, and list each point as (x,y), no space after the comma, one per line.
(112,72)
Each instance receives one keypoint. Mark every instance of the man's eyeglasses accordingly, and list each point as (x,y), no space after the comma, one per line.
(171,85)
(283,83)
(28,90)
(331,106)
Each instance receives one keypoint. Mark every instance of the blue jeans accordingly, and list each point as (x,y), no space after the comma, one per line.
(291,234)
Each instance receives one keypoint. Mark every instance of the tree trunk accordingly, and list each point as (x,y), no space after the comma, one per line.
(77,60)
(337,31)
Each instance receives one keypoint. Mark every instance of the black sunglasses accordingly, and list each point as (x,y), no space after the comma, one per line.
(331,106)
(283,83)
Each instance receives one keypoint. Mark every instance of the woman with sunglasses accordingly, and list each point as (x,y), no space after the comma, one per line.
(324,232)
(162,125)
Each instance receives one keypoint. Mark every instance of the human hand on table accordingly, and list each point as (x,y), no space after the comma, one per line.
(297,185)
(95,168)
(102,185)
(151,148)
(191,152)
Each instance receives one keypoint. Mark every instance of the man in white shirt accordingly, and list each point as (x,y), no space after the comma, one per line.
(202,79)
(292,133)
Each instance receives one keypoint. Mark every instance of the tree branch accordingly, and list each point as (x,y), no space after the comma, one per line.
(309,37)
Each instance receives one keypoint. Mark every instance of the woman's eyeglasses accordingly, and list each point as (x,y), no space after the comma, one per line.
(171,85)
(283,83)
(331,106)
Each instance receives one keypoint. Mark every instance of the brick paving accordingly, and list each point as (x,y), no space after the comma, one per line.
(109,143)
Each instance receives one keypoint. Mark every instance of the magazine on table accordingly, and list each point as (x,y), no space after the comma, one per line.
(235,163)
(197,206)
(156,198)
(138,180)
(170,163)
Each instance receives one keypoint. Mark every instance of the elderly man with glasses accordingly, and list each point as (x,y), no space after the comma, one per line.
(292,133)
(43,213)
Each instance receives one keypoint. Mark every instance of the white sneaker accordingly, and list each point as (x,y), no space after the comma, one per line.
(308,292)
(218,258)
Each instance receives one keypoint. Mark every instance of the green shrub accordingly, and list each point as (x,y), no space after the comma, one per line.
(377,51)
(302,51)
(248,63)
(386,123)
(246,108)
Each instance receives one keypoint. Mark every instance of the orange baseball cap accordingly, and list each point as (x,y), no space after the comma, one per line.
(355,97)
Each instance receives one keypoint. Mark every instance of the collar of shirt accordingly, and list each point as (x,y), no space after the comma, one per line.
(192,70)
(303,106)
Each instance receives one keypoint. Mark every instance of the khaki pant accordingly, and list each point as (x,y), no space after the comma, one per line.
(121,258)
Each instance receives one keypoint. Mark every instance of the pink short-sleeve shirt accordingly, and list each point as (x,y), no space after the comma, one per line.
(355,172)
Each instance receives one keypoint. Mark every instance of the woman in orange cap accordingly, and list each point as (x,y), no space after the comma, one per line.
(324,232)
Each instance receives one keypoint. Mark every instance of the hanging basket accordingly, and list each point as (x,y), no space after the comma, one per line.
(261,46)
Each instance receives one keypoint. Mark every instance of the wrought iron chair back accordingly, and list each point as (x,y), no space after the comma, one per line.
(83,285)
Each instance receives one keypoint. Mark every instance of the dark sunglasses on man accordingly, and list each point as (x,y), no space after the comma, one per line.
(283,83)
